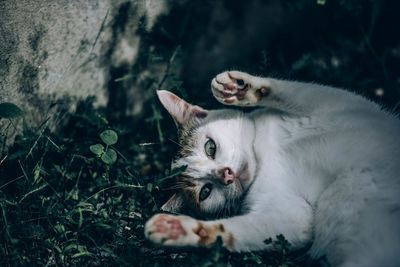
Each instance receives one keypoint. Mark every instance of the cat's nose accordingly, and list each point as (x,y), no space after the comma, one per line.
(228,176)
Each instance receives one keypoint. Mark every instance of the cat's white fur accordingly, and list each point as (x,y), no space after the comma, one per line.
(323,163)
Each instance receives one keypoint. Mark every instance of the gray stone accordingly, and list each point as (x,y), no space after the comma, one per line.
(55,53)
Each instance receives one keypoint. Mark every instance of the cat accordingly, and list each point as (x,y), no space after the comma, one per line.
(314,163)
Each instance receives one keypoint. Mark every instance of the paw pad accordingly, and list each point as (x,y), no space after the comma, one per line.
(169,225)
(238,88)
(260,93)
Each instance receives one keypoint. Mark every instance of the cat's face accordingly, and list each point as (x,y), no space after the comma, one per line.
(217,148)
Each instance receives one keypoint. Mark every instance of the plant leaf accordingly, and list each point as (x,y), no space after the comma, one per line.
(80,222)
(97,149)
(109,137)
(10,110)
(125,77)
(109,157)
(149,187)
(81,254)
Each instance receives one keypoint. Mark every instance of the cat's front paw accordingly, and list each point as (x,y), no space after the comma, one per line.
(239,88)
(170,230)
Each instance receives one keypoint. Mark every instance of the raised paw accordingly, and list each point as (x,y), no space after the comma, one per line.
(172,230)
(239,88)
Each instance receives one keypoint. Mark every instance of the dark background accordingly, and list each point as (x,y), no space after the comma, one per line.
(350,44)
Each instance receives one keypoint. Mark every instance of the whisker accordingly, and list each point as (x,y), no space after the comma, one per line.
(179,185)
(173,141)
(171,188)
(185,176)
(176,186)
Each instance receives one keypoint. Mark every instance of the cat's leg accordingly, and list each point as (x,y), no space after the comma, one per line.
(170,230)
(241,233)
(242,89)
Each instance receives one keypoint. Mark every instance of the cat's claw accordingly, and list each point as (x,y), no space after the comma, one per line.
(239,88)
(170,230)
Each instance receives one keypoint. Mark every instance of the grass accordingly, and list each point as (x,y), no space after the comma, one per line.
(63,204)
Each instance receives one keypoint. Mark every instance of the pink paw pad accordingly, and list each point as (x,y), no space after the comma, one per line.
(230,86)
(168,224)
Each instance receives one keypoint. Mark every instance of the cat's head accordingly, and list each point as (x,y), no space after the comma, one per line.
(217,148)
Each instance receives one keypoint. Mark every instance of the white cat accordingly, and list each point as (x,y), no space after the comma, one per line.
(314,163)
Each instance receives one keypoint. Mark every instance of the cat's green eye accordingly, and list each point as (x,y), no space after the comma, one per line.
(210,148)
(205,191)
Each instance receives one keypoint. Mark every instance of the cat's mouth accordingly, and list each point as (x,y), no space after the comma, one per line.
(239,185)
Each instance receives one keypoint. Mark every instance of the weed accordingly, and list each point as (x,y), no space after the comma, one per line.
(66,200)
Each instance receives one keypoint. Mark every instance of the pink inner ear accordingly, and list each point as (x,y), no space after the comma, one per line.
(180,110)
(177,101)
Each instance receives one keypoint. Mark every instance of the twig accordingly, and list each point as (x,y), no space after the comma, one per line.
(15,128)
(54,144)
(148,144)
(30,220)
(23,171)
(157,117)
(156,114)
(37,140)
(5,137)
(173,141)
(100,30)
(119,153)
(9,182)
(112,187)
(5,157)
(33,191)
(367,41)
(166,73)
(52,188)
(5,220)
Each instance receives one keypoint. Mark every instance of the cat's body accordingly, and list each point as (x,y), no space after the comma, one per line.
(316,164)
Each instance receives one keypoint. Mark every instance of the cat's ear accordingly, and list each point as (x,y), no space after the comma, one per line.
(174,204)
(180,110)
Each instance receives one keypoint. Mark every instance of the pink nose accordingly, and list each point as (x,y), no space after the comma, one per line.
(228,176)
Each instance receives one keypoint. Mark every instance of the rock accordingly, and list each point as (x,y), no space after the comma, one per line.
(54,54)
